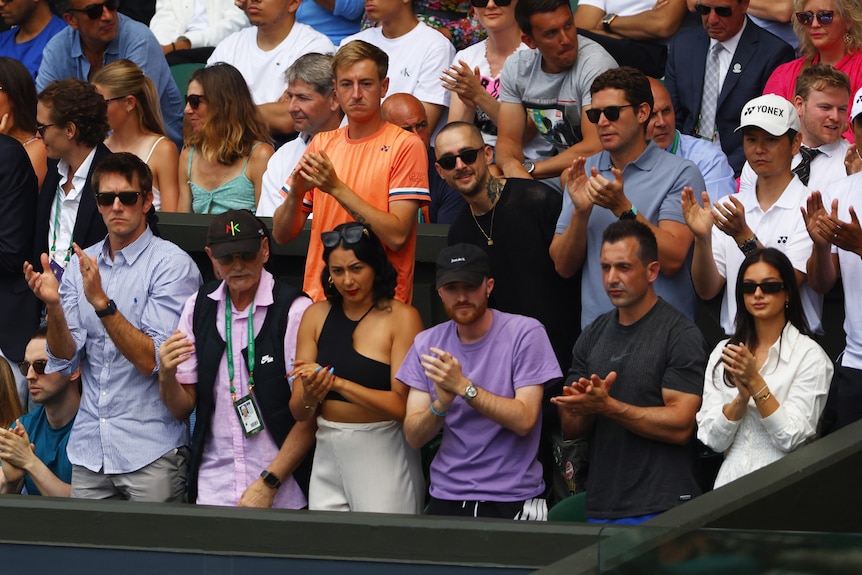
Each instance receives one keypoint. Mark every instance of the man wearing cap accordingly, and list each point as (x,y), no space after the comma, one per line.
(634,388)
(118,301)
(480,377)
(766,216)
(833,224)
(228,357)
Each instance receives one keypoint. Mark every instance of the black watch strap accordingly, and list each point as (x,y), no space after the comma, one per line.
(270,479)
(110,310)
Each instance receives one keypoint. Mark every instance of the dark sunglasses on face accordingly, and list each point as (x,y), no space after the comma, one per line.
(38,367)
(244,256)
(94,11)
(749,288)
(194,100)
(612,113)
(126,198)
(720,11)
(40,129)
(467,156)
(483,3)
(351,236)
(825,17)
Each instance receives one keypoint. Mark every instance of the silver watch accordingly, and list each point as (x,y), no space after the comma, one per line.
(471,392)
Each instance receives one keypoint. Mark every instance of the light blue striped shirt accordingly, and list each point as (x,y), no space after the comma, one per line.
(122,424)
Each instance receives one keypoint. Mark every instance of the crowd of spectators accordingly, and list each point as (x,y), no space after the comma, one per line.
(601,170)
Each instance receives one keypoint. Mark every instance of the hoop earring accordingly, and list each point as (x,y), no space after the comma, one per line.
(848,38)
(329,281)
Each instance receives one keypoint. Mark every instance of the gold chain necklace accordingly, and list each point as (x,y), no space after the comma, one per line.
(491,230)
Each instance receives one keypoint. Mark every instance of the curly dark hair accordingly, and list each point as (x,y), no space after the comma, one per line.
(77,102)
(369,250)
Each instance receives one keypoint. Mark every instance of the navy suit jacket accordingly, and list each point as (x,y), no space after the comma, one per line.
(758,53)
(89,225)
(19,308)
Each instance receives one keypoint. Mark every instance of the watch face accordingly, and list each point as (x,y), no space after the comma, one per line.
(470,392)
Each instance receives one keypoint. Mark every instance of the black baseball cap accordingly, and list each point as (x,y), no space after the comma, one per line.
(235,231)
(462,263)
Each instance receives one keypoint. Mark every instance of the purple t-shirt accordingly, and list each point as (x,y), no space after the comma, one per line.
(479,459)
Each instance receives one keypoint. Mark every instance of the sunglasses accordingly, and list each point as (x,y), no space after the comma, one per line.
(749,288)
(109,100)
(351,235)
(483,3)
(467,156)
(126,198)
(720,11)
(194,100)
(825,17)
(94,11)
(40,129)
(244,256)
(612,113)
(38,367)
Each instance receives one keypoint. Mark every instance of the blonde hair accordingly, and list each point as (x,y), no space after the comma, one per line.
(849,10)
(234,125)
(123,78)
(10,404)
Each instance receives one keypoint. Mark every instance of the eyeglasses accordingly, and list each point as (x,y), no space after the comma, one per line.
(825,17)
(94,11)
(40,129)
(483,3)
(351,235)
(194,100)
(126,198)
(720,11)
(38,365)
(244,256)
(467,156)
(612,113)
(749,288)
(108,100)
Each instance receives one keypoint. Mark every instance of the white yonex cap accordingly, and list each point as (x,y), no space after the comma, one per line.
(771,113)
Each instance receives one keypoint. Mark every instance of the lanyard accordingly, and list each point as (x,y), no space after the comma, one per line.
(675,146)
(228,318)
(57,208)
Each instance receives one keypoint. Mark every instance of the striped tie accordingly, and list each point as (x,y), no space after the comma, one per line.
(709,102)
(803,170)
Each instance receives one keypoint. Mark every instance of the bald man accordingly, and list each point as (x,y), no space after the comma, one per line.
(710,159)
(407,111)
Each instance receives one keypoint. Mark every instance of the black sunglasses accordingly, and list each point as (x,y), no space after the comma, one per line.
(483,3)
(612,113)
(244,256)
(107,100)
(351,235)
(825,17)
(467,156)
(126,198)
(194,100)
(720,11)
(94,11)
(38,367)
(40,129)
(749,288)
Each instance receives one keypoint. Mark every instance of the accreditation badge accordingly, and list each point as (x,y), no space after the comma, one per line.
(57,270)
(248,414)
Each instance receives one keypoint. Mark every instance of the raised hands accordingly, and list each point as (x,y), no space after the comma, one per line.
(698,218)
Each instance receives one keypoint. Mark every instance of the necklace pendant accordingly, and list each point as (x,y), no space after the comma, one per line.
(490,242)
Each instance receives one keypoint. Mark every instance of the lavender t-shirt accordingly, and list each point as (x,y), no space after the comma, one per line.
(479,459)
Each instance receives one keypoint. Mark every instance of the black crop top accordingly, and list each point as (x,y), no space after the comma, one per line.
(335,348)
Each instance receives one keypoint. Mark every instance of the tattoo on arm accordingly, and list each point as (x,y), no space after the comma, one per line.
(358,217)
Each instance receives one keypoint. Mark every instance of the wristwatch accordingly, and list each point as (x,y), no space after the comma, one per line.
(471,392)
(270,479)
(631,214)
(606,21)
(748,245)
(110,310)
(529,166)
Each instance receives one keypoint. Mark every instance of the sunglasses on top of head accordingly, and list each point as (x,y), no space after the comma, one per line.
(766,287)
(720,11)
(825,17)
(194,100)
(38,367)
(351,236)
(126,198)
(467,156)
(94,11)
(612,113)
(484,3)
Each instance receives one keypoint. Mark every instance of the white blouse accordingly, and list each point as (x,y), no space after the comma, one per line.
(798,373)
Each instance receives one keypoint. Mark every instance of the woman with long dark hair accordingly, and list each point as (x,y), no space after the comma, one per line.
(18,112)
(348,350)
(766,386)
(227,144)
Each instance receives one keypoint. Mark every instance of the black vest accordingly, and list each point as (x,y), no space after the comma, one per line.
(271,390)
